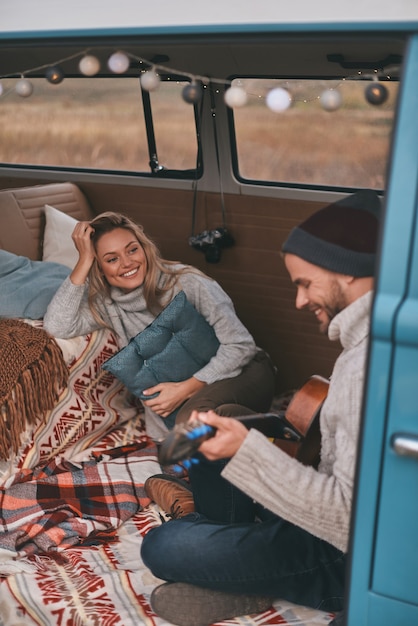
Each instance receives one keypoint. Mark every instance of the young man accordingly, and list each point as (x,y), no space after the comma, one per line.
(295,546)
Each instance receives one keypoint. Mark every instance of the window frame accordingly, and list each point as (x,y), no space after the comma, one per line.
(155,171)
(320,187)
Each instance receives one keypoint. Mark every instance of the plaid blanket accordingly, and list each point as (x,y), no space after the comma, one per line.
(47,510)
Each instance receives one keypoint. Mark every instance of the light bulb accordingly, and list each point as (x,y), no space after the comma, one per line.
(54,74)
(89,65)
(193,92)
(235,97)
(150,80)
(376,93)
(24,88)
(118,62)
(331,99)
(278,100)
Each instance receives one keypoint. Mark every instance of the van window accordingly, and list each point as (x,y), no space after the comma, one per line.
(96,123)
(307,144)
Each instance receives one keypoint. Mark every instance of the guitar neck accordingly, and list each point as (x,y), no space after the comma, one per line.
(299,424)
(184,440)
(274,425)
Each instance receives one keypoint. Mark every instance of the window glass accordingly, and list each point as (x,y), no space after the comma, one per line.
(307,143)
(95,123)
(174,127)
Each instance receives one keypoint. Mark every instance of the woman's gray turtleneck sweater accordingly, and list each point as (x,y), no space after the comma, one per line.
(69,315)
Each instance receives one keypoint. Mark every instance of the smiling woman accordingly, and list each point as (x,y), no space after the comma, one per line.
(120,281)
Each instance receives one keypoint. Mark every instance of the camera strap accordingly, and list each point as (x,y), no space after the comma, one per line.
(218,163)
(198,160)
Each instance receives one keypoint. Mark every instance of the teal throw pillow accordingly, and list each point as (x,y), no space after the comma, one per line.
(178,343)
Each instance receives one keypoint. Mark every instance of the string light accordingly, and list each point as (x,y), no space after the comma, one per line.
(235,97)
(118,63)
(54,74)
(24,88)
(89,65)
(376,93)
(150,81)
(331,99)
(277,99)
(192,92)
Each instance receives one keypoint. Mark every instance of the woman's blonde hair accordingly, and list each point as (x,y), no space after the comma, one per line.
(153,293)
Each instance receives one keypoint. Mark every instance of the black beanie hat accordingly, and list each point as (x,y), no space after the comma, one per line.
(341,237)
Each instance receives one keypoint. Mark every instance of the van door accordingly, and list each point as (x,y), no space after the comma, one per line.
(384,562)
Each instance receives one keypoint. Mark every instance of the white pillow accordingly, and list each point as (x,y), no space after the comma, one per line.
(58,245)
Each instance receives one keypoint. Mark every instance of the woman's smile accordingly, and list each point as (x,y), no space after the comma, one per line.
(130,273)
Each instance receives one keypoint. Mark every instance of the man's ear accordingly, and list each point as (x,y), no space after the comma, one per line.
(349,279)
(357,286)
(346,280)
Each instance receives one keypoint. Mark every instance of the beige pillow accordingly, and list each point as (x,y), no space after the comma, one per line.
(58,245)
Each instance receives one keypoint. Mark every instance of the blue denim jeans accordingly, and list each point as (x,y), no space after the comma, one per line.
(234,544)
(269,557)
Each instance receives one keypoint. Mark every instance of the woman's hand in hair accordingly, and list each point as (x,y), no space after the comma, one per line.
(82,240)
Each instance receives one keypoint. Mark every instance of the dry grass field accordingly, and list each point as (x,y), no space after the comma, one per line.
(98,123)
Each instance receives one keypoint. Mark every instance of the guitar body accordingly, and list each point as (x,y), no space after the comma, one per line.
(303,413)
(296,430)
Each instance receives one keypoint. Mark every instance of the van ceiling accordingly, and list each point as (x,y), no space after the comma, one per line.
(218,56)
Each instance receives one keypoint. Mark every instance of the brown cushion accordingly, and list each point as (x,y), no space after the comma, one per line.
(22,218)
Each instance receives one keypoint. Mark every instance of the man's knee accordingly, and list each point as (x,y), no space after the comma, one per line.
(233,410)
(151,548)
(165,542)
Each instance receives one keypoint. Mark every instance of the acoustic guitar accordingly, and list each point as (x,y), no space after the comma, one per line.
(295,430)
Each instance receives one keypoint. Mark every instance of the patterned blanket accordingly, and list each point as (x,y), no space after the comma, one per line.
(74,512)
(57,506)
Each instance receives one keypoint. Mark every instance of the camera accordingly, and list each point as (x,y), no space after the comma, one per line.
(211,242)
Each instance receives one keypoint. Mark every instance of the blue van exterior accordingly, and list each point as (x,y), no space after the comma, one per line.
(384,549)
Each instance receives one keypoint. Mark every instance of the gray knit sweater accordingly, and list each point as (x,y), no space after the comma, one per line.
(317,501)
(69,315)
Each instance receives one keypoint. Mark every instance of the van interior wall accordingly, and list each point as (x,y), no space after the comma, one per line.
(252,271)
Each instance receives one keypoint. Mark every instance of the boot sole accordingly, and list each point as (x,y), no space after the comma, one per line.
(187,605)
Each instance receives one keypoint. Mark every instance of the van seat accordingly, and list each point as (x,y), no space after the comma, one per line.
(22,215)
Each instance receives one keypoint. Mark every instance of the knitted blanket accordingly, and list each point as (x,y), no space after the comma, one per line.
(32,373)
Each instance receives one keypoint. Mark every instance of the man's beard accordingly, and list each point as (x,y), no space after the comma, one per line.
(335,304)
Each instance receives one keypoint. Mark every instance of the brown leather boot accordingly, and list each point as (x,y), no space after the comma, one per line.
(172,495)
